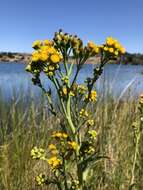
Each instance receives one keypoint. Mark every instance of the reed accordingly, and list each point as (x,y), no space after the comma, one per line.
(24,125)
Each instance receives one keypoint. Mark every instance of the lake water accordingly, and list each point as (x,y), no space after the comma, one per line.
(119,80)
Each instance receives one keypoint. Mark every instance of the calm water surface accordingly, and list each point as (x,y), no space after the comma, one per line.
(120,80)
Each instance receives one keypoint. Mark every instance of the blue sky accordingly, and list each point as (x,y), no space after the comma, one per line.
(23,21)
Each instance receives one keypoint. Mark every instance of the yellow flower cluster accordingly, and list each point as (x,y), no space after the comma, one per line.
(87,147)
(63,147)
(90,122)
(83,113)
(60,135)
(113,47)
(64,92)
(92,97)
(40,179)
(45,52)
(73,145)
(45,56)
(90,150)
(54,162)
(75,185)
(93,134)
(81,89)
(65,79)
(38,153)
(93,48)
(37,44)
(53,149)
(69,41)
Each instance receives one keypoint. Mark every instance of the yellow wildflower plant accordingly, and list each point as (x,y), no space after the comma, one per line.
(71,151)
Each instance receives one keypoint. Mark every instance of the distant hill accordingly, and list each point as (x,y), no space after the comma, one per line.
(128,58)
(14,57)
(133,58)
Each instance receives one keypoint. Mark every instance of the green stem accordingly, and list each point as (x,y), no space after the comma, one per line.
(68,108)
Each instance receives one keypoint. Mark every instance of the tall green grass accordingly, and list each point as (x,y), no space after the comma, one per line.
(25,123)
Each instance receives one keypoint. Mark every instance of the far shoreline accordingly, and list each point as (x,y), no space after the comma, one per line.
(24,58)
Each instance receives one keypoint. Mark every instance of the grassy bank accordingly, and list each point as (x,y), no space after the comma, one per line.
(24,126)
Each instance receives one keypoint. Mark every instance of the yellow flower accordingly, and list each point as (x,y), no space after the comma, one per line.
(117,45)
(73,145)
(96,49)
(116,53)
(35,56)
(52,146)
(91,44)
(65,79)
(110,41)
(106,48)
(65,91)
(122,50)
(36,44)
(93,47)
(55,58)
(59,135)
(51,68)
(111,50)
(92,97)
(50,73)
(28,68)
(48,42)
(54,162)
(53,149)
(64,135)
(43,56)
